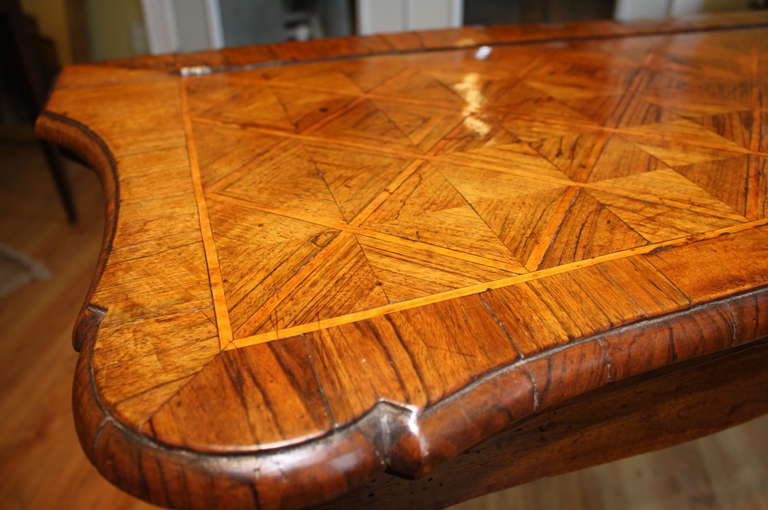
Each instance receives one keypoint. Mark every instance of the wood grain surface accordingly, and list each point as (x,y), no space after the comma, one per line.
(327,260)
(43,467)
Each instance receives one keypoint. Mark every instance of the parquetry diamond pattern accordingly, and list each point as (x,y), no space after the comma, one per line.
(336,187)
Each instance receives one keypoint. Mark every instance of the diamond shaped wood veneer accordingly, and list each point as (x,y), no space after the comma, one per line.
(292,243)
(390,179)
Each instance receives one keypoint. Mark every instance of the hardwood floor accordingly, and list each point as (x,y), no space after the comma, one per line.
(42,466)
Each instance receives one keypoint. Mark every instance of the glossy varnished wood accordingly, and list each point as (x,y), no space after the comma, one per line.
(621,420)
(315,271)
(41,462)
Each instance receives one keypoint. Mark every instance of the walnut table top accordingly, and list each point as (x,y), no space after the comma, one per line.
(331,259)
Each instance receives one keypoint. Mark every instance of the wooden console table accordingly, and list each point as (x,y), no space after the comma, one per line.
(400,271)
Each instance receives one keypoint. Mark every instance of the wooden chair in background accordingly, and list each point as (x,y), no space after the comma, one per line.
(28,66)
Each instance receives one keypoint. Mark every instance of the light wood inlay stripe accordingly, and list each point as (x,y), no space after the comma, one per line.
(211,257)
(755,176)
(279,334)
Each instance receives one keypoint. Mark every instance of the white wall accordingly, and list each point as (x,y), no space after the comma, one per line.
(375,16)
(632,9)
(182,25)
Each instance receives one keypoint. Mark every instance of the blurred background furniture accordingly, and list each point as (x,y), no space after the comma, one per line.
(28,63)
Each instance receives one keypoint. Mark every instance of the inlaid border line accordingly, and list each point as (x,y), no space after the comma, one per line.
(209,246)
(257,317)
(754,175)
(280,334)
